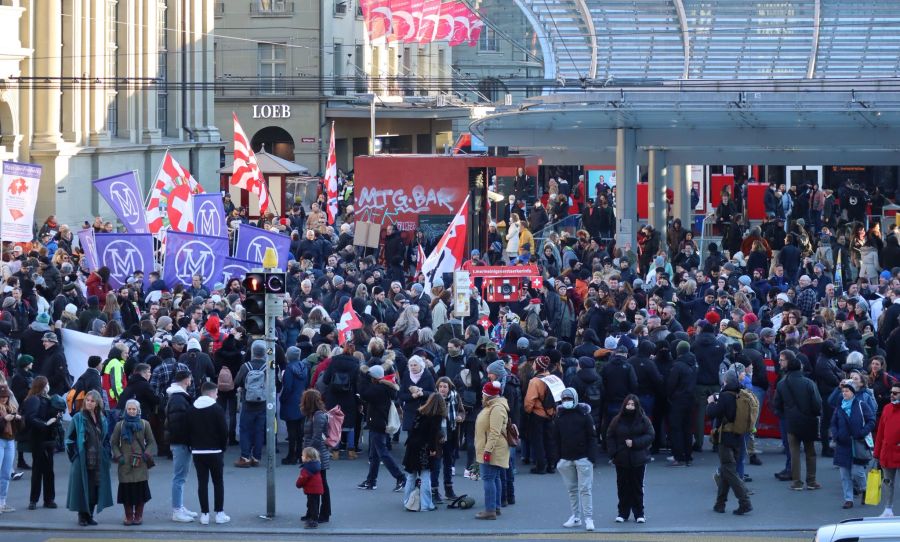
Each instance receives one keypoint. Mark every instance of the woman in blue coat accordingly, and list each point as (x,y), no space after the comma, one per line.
(853,419)
(295,382)
(89,452)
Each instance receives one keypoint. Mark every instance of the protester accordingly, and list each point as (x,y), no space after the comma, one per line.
(179,437)
(379,395)
(491,447)
(87,445)
(315,422)
(11,422)
(852,421)
(629,438)
(42,424)
(887,449)
(133,449)
(208,439)
(251,381)
(577,439)
(423,445)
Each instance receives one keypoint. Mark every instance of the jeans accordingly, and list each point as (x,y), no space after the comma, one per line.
(490,476)
(853,478)
(7,458)
(508,479)
(578,476)
(379,453)
(888,481)
(809,447)
(181,466)
(228,401)
(210,465)
(253,431)
(425,502)
(742,455)
(348,439)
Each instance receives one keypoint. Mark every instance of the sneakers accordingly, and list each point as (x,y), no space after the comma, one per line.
(311,525)
(588,524)
(7,509)
(204,519)
(797,486)
(222,517)
(243,463)
(812,486)
(16,476)
(401,483)
(188,512)
(254,462)
(641,520)
(467,474)
(367,485)
(452,471)
(888,513)
(620,519)
(755,460)
(677,464)
(717,478)
(180,517)
(573,521)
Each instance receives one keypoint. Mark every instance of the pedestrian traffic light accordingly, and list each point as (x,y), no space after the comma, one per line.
(255,303)
(275,283)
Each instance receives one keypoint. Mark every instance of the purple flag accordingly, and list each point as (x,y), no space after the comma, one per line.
(86,242)
(123,254)
(209,215)
(253,242)
(236,268)
(189,254)
(123,193)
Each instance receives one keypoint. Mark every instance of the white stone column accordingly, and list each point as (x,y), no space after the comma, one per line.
(47,64)
(681,189)
(98,90)
(656,192)
(149,69)
(626,187)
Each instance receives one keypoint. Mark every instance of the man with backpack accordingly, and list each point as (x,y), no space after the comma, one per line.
(251,381)
(89,380)
(734,411)
(540,402)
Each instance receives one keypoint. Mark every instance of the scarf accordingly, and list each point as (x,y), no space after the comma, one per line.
(415,377)
(845,406)
(130,426)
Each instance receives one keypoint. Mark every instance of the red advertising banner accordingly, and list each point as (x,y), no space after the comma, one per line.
(403,26)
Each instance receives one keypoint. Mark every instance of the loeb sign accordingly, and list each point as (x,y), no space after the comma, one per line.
(274,111)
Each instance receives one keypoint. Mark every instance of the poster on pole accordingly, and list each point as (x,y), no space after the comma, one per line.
(20,193)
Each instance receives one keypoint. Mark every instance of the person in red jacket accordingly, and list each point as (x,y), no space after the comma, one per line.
(98,285)
(310,481)
(887,449)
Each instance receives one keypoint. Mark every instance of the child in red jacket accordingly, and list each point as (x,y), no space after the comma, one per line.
(310,481)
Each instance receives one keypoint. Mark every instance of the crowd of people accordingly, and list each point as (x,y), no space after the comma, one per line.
(617,354)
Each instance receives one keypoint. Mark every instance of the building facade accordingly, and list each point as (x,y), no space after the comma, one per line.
(92,88)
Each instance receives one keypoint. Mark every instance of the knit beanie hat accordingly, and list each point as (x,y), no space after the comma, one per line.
(682,348)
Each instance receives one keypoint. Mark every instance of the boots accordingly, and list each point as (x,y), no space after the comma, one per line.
(448,491)
(352,454)
(129,515)
(436,496)
(138,514)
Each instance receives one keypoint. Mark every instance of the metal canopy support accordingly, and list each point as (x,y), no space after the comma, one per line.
(656,191)
(626,187)
(681,189)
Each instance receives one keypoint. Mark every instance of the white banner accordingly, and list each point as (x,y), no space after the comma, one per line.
(80,346)
(20,193)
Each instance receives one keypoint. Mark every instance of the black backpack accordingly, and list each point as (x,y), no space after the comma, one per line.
(340,382)
(593,394)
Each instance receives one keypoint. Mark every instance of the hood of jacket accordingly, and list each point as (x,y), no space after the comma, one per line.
(175,388)
(313,467)
(204,401)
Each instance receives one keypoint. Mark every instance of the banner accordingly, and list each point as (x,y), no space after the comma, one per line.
(377,17)
(123,254)
(245,170)
(86,242)
(403,25)
(431,12)
(189,254)
(252,244)
(123,193)
(235,268)
(209,215)
(462,24)
(80,346)
(20,193)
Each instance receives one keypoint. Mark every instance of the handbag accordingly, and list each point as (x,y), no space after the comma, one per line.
(393,421)
(861,451)
(414,502)
(873,487)
(147,458)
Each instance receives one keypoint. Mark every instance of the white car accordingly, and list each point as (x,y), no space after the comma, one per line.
(861,529)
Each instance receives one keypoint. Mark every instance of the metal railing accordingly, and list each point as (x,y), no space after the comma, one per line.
(571,224)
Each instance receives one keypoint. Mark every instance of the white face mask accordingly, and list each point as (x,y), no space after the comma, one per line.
(895,400)
(568,404)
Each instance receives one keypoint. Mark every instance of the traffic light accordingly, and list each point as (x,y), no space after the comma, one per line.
(275,283)
(255,303)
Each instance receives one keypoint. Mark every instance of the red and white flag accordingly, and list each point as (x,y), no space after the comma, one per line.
(349,321)
(377,17)
(403,24)
(476,24)
(431,12)
(420,258)
(444,25)
(173,189)
(246,174)
(450,251)
(331,183)
(462,23)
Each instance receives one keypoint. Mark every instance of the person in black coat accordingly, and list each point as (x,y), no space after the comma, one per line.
(378,395)
(589,386)
(650,380)
(628,440)
(798,402)
(680,390)
(340,380)
(230,355)
(40,418)
(416,384)
(138,388)
(619,380)
(394,248)
(827,377)
(710,354)
(576,441)
(55,366)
